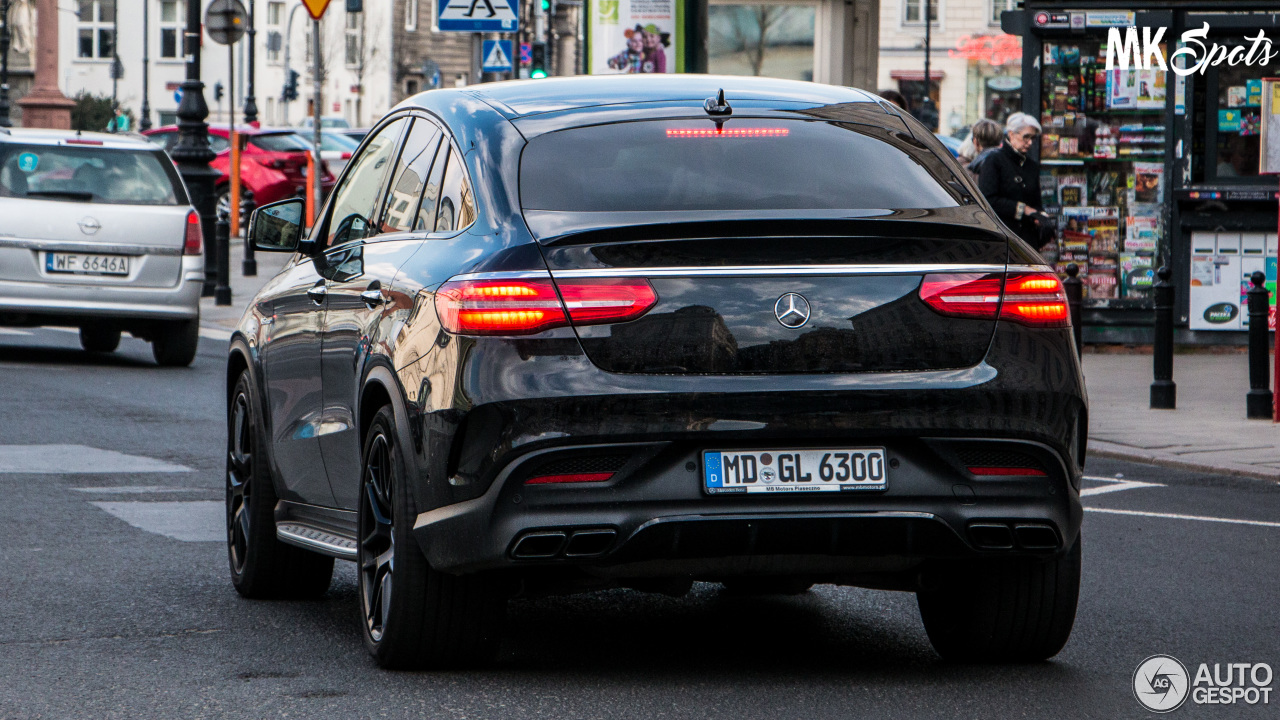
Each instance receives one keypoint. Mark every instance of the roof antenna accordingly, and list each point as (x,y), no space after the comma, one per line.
(717,105)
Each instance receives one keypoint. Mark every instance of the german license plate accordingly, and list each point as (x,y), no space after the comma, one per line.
(775,471)
(86,264)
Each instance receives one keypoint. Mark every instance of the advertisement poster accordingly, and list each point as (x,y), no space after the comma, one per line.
(635,36)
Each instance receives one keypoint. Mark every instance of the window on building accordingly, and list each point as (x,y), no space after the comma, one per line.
(96,37)
(999,6)
(172,18)
(275,31)
(913,11)
(352,37)
(770,39)
(411,15)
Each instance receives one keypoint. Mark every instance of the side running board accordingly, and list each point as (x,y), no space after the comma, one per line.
(325,542)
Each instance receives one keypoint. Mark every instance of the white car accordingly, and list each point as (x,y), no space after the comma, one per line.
(335,149)
(328,121)
(97,232)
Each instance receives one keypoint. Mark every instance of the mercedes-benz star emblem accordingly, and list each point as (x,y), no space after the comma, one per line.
(89,226)
(792,310)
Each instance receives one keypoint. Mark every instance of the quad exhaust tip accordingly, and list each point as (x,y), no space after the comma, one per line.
(549,544)
(1007,536)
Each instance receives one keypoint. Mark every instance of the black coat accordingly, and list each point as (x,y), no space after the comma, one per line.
(1006,179)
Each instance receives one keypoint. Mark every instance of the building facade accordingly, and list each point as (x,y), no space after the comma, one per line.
(975,68)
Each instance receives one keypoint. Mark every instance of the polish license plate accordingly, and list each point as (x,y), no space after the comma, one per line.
(775,471)
(86,264)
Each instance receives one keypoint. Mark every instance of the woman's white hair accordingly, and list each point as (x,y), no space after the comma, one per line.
(1018,121)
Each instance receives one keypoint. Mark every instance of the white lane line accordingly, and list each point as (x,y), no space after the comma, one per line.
(203,521)
(1114,485)
(138,490)
(1176,516)
(73,459)
(214,333)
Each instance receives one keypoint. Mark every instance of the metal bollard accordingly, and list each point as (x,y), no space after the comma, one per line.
(222,236)
(1074,290)
(1258,402)
(1164,392)
(249,267)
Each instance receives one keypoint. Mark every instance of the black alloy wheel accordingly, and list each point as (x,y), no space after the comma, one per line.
(261,565)
(414,617)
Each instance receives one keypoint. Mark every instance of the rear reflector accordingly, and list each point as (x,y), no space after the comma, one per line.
(1034,299)
(526,306)
(727,132)
(1008,471)
(569,478)
(193,241)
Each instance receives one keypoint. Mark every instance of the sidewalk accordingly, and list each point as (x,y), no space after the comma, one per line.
(1207,432)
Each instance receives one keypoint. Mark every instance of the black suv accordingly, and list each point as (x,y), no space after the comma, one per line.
(596,332)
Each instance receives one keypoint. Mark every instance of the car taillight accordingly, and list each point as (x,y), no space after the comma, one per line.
(193,241)
(346,156)
(1034,299)
(606,300)
(525,306)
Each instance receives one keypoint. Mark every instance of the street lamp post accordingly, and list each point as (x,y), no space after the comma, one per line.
(144,123)
(4,64)
(192,153)
(251,102)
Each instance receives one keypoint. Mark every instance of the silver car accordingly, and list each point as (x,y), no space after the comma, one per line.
(97,232)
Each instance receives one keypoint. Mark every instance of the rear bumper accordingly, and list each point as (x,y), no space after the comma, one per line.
(37,303)
(654,520)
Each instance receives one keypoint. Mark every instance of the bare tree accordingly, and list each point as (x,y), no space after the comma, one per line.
(751,32)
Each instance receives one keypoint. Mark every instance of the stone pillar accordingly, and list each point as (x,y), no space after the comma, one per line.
(45,106)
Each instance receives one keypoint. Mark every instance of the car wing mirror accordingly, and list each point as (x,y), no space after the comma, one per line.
(277,227)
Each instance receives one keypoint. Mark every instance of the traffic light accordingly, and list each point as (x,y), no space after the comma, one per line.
(217,91)
(546,5)
(290,87)
(538,66)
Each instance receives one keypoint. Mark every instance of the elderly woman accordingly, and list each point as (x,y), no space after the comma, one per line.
(1011,181)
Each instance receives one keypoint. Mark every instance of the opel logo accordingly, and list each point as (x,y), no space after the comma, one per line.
(89,226)
(792,310)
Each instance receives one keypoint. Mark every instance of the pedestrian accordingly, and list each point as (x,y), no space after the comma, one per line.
(894,97)
(984,139)
(1010,180)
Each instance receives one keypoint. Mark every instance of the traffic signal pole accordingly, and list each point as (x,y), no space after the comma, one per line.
(317,109)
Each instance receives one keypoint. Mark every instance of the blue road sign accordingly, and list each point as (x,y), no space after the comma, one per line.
(177,96)
(495,56)
(477,16)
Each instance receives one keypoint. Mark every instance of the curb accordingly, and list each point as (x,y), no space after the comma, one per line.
(1116,451)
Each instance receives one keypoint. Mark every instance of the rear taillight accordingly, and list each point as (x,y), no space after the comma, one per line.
(525,306)
(193,240)
(1034,299)
(346,156)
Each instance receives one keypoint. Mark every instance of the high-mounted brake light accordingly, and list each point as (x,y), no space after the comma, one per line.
(524,306)
(193,240)
(724,132)
(82,141)
(1034,299)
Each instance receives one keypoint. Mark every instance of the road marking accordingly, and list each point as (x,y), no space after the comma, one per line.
(1176,516)
(1115,486)
(202,521)
(214,333)
(74,459)
(138,489)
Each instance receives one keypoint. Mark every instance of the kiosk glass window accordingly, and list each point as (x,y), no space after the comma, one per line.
(1231,121)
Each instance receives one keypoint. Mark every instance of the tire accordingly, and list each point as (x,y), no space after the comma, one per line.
(1007,610)
(413,617)
(262,567)
(103,339)
(767,586)
(175,343)
(222,205)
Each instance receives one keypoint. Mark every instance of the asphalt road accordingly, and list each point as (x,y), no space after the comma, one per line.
(115,601)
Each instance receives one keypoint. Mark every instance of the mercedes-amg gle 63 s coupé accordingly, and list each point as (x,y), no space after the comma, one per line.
(581,333)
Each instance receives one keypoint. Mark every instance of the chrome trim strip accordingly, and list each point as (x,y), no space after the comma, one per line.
(315,539)
(524,275)
(778,270)
(87,247)
(1031,268)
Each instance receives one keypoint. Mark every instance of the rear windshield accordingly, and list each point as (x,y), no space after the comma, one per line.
(281,142)
(753,164)
(89,174)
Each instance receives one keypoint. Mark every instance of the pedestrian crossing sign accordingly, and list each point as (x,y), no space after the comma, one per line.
(496,56)
(477,16)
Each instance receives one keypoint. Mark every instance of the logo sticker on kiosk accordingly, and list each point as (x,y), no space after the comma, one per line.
(780,471)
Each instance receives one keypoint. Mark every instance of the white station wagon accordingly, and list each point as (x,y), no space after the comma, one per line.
(97,232)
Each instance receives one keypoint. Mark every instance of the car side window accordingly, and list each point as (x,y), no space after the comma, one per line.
(431,193)
(457,205)
(356,198)
(411,175)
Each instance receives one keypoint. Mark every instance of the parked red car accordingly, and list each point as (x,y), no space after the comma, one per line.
(273,166)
